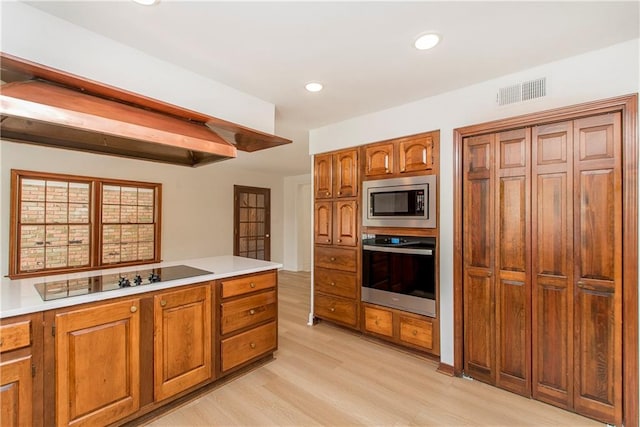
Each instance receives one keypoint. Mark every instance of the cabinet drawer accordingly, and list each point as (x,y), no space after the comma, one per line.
(417,332)
(15,335)
(335,308)
(247,284)
(336,283)
(248,311)
(336,258)
(248,345)
(378,321)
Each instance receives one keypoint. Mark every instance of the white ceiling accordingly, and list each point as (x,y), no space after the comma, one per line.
(362,51)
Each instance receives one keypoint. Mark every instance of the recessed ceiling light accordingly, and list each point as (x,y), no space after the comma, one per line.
(146,2)
(313,87)
(427,41)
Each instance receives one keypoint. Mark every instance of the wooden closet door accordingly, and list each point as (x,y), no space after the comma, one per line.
(513,261)
(552,259)
(478,260)
(598,267)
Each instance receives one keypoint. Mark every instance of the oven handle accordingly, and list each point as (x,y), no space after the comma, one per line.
(398,250)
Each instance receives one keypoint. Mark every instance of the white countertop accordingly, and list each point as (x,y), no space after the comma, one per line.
(21,297)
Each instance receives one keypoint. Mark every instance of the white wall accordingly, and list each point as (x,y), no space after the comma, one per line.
(197,203)
(297,230)
(595,75)
(31,34)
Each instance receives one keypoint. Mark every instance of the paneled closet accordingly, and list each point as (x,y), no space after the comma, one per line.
(541,232)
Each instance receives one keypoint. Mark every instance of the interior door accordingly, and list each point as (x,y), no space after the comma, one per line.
(252,222)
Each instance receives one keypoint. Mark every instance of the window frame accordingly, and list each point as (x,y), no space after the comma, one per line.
(96,185)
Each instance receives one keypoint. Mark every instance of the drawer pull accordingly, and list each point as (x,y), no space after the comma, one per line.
(327,194)
(134,308)
(339,240)
(1,341)
(163,303)
(328,240)
(252,312)
(332,258)
(376,322)
(415,332)
(333,283)
(332,309)
(252,285)
(339,193)
(252,345)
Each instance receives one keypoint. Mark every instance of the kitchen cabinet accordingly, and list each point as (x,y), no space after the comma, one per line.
(97,363)
(411,155)
(336,174)
(248,319)
(336,223)
(406,329)
(182,339)
(21,371)
(542,262)
(336,285)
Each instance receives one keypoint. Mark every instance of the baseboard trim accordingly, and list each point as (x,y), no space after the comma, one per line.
(445,369)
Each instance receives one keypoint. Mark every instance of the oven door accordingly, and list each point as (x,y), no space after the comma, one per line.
(401,277)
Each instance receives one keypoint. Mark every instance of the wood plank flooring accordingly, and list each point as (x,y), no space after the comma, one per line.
(323,375)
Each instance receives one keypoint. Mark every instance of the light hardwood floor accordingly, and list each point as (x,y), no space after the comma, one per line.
(324,375)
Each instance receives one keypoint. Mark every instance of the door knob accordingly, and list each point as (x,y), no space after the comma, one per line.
(266,235)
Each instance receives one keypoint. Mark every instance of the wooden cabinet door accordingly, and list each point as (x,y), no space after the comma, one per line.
(323,176)
(552,263)
(16,392)
(345,223)
(182,340)
(513,261)
(97,368)
(598,267)
(416,154)
(378,159)
(478,229)
(323,223)
(346,173)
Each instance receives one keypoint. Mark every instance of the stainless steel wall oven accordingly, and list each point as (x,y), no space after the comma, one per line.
(400,272)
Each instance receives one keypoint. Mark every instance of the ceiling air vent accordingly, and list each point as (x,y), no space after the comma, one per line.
(522,91)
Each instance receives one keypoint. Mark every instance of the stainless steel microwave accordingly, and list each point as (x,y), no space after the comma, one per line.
(400,202)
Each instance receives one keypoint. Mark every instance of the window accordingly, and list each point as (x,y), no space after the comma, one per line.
(63,223)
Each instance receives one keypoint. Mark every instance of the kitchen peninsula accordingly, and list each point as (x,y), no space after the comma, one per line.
(111,356)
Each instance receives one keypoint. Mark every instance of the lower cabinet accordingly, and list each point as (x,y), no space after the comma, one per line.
(182,340)
(20,404)
(248,319)
(336,286)
(406,329)
(97,369)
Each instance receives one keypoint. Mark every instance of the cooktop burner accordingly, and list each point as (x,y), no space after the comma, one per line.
(73,287)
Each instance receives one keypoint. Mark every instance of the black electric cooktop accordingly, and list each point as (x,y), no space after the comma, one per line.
(56,289)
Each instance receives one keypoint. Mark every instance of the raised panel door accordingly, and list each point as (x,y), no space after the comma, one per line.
(97,363)
(378,159)
(346,173)
(598,267)
(16,392)
(512,261)
(323,176)
(345,223)
(323,223)
(416,154)
(552,264)
(182,340)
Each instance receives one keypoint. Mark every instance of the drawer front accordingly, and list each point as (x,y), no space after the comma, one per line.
(378,321)
(336,258)
(15,335)
(248,311)
(335,308)
(417,332)
(248,284)
(336,283)
(248,345)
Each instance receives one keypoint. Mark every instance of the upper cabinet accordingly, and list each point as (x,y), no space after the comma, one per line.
(336,175)
(404,156)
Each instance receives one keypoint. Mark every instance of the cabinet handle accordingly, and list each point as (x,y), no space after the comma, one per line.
(134,308)
(252,312)
(252,345)
(424,156)
(339,193)
(327,194)
(252,285)
(386,161)
(376,322)
(328,240)
(332,309)
(333,283)
(415,332)
(332,258)
(1,341)
(163,303)
(339,240)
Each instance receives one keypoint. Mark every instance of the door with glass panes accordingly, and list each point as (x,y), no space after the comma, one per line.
(252,222)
